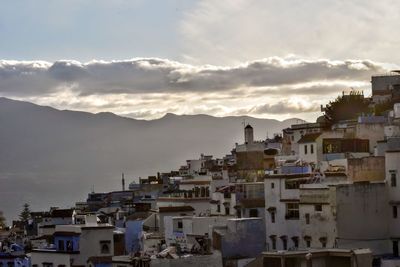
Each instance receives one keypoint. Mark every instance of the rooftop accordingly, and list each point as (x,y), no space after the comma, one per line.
(175,209)
(308,138)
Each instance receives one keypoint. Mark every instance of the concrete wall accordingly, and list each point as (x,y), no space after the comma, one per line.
(384,82)
(362,209)
(366,169)
(374,132)
(245,238)
(322,224)
(56,258)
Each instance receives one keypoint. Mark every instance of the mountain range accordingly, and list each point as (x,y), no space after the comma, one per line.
(51,157)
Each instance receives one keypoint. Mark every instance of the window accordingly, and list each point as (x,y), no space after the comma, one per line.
(44,264)
(318,207)
(61,245)
(394,211)
(227,211)
(272,217)
(253,213)
(307,218)
(308,241)
(312,149)
(395,246)
(284,243)
(272,185)
(292,211)
(323,241)
(105,247)
(180,225)
(218,208)
(305,149)
(273,242)
(393,178)
(295,240)
(69,245)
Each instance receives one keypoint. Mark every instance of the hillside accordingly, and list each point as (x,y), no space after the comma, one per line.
(49,156)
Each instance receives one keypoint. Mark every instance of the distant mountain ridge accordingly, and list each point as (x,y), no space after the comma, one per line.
(51,157)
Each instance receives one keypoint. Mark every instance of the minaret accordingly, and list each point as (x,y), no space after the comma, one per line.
(123,182)
(248,134)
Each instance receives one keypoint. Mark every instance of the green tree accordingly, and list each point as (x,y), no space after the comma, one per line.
(2,221)
(25,214)
(347,107)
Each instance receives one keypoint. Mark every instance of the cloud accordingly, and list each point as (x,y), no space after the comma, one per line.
(151,75)
(284,107)
(147,88)
(229,31)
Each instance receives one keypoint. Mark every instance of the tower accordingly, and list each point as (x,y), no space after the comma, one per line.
(123,182)
(248,134)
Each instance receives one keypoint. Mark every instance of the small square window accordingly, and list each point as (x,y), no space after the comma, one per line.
(318,207)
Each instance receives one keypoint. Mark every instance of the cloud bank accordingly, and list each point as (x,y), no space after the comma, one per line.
(149,87)
(235,30)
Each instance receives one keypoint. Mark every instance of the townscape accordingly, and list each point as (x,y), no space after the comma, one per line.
(325,193)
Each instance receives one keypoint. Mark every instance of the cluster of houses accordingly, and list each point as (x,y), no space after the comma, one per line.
(319,194)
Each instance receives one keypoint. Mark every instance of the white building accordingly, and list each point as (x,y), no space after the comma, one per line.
(179,230)
(392,162)
(75,244)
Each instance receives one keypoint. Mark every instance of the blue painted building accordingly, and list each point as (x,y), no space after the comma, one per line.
(134,232)
(66,241)
(12,259)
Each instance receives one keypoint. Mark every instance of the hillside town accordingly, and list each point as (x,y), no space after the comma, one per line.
(325,193)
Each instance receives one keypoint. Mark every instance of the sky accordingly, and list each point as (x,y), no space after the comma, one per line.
(145,58)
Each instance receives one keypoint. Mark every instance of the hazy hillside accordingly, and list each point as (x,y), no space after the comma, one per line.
(53,157)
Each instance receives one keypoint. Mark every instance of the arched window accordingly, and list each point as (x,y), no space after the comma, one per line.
(105,247)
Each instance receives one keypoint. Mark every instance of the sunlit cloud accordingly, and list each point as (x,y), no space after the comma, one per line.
(148,88)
